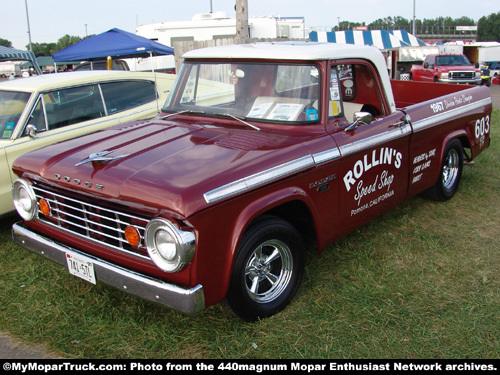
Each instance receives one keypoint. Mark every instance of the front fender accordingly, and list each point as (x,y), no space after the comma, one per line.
(265,204)
(221,228)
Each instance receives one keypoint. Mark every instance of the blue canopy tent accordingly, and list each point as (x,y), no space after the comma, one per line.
(114,43)
(7,53)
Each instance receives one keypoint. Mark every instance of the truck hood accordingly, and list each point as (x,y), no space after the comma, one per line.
(465,68)
(160,164)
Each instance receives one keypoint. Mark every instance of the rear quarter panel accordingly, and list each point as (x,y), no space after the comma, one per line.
(440,113)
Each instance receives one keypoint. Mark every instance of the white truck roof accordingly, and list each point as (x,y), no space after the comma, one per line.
(289,51)
(305,51)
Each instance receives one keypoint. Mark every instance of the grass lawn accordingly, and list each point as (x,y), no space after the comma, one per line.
(421,281)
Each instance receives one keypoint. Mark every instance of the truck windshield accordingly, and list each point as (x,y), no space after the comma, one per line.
(450,60)
(12,105)
(256,91)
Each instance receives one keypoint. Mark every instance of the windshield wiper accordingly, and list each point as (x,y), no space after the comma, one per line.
(239,119)
(184,111)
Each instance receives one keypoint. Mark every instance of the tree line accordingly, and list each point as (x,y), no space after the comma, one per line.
(48,49)
(488,29)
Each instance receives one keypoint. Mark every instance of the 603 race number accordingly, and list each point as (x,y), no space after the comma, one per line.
(482,126)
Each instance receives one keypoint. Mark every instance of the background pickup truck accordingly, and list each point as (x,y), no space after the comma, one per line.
(446,69)
(259,151)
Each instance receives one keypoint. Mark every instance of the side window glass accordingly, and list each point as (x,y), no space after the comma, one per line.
(353,88)
(342,88)
(346,79)
(73,105)
(37,118)
(12,105)
(335,107)
(120,96)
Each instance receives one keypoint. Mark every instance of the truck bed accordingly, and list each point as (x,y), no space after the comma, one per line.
(407,93)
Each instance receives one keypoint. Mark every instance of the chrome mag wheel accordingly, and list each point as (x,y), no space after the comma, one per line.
(268,271)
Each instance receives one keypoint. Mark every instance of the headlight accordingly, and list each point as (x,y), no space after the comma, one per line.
(24,199)
(169,247)
(444,75)
(478,74)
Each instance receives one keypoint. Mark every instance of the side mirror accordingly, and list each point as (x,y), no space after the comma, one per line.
(426,65)
(31,131)
(360,118)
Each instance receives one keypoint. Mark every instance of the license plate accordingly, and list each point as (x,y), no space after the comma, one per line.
(81,268)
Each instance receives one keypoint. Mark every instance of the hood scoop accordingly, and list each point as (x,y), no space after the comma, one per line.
(101,157)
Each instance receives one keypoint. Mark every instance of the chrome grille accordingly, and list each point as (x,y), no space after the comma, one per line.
(99,224)
(462,75)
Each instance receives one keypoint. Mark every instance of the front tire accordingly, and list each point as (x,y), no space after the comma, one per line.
(267,270)
(450,174)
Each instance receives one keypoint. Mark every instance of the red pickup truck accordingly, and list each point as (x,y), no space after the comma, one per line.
(446,69)
(259,149)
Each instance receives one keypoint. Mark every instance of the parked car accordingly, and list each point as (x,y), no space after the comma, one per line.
(102,65)
(493,66)
(38,111)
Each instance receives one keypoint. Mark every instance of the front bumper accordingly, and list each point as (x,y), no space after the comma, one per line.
(188,301)
(475,81)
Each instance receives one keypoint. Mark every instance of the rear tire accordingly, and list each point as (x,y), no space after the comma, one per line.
(267,270)
(450,174)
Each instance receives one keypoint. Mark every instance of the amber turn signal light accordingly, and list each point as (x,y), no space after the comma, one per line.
(132,236)
(44,207)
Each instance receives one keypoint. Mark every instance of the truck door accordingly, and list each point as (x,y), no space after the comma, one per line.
(428,69)
(373,172)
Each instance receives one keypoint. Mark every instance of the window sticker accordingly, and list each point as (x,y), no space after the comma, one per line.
(9,125)
(334,86)
(312,114)
(335,108)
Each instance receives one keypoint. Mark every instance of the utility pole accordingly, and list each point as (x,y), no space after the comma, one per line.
(28,20)
(241,21)
(414,26)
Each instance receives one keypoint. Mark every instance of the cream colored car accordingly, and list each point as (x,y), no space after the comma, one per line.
(38,111)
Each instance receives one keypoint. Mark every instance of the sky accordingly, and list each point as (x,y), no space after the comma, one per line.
(50,21)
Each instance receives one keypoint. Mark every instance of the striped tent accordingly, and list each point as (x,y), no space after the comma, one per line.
(406,37)
(16,54)
(382,39)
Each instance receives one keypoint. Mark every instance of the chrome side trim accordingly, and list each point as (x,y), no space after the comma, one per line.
(448,115)
(375,140)
(258,179)
(188,301)
(270,175)
(327,155)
